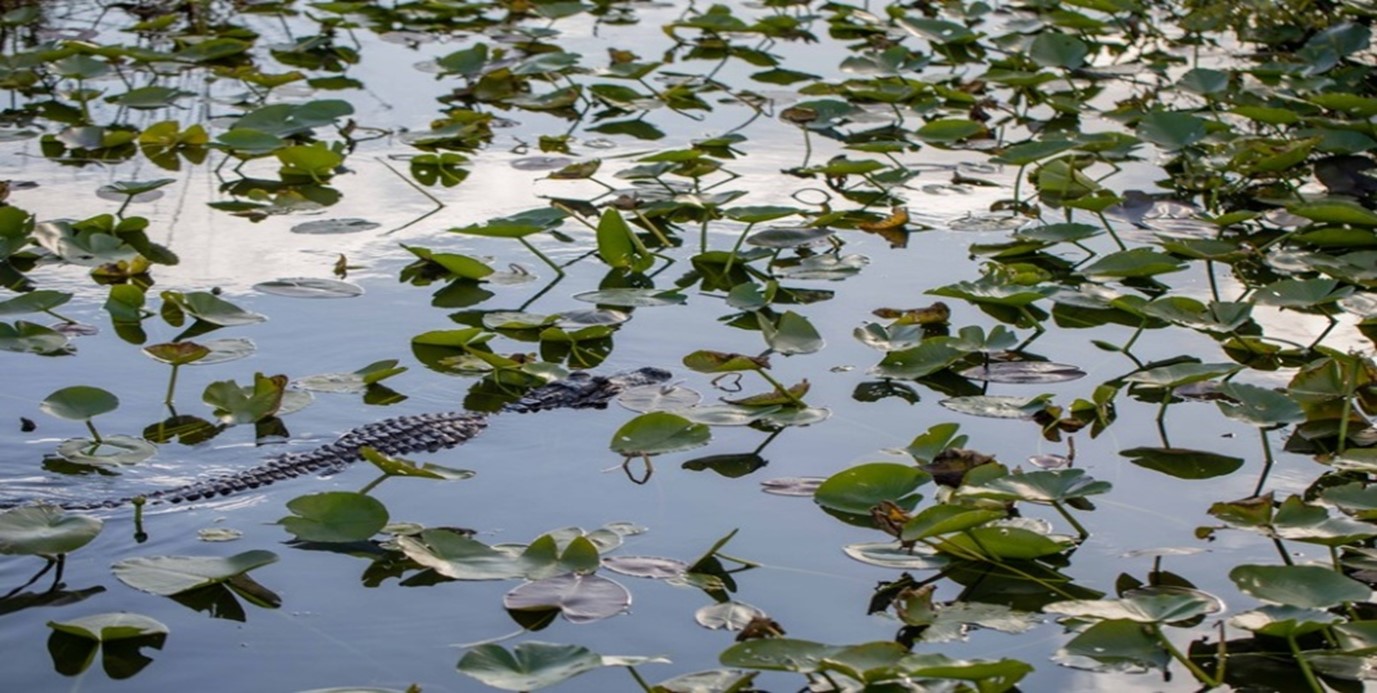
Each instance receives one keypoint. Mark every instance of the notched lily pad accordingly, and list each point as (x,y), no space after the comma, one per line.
(579,598)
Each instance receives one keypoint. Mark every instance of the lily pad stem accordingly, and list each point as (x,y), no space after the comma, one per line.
(94,434)
(61,317)
(639,681)
(373,484)
(1080,529)
(737,247)
(543,257)
(1350,388)
(1267,461)
(1176,654)
(1162,418)
(171,385)
(780,388)
(1109,228)
(1304,665)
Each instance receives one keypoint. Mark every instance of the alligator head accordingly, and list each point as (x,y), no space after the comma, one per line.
(582,390)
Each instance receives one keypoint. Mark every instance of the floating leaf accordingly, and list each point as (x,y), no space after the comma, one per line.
(649,398)
(732,616)
(529,666)
(306,287)
(108,452)
(658,433)
(803,487)
(652,567)
(1183,463)
(110,627)
(44,530)
(334,517)
(335,226)
(997,406)
(579,598)
(856,490)
(633,298)
(1305,586)
(892,555)
(1024,372)
(79,403)
(169,575)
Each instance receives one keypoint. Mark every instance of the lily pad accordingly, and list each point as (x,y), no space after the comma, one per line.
(79,403)
(1305,586)
(729,615)
(43,530)
(1024,372)
(334,517)
(657,433)
(579,598)
(801,486)
(529,666)
(306,287)
(997,406)
(335,226)
(652,567)
(169,575)
(110,451)
(633,298)
(649,398)
(110,627)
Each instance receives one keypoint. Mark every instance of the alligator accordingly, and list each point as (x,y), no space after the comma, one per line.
(394,436)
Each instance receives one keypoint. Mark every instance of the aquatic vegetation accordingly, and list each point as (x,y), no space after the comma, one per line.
(1130,242)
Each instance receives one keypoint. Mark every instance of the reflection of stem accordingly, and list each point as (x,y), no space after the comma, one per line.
(373,484)
(438,204)
(543,257)
(1267,462)
(1176,654)
(1304,665)
(760,447)
(171,385)
(1162,416)
(1350,388)
(61,317)
(1110,228)
(780,388)
(57,576)
(639,681)
(1281,549)
(94,435)
(735,248)
(1072,519)
(540,293)
(46,567)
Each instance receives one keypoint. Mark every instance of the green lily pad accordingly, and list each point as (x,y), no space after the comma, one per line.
(856,490)
(1305,586)
(335,517)
(789,237)
(44,530)
(225,350)
(79,403)
(34,302)
(1149,608)
(728,615)
(529,666)
(397,466)
(110,451)
(177,353)
(1183,463)
(169,575)
(658,433)
(1037,487)
(110,627)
